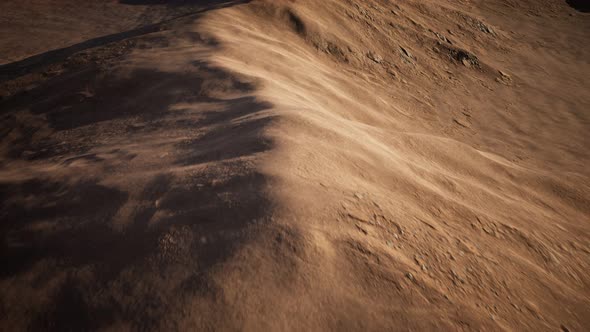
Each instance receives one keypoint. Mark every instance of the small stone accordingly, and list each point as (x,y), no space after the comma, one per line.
(484,28)
(375,57)
(504,78)
(441,37)
(423,267)
(410,276)
(467,59)
(406,52)
(462,123)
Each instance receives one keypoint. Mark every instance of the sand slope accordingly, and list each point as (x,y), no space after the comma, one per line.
(299,165)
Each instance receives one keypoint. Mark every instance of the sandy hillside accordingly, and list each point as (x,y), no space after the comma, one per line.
(295,165)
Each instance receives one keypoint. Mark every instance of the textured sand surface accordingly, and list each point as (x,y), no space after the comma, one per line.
(295,165)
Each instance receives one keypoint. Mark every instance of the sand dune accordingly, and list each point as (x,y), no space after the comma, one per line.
(295,165)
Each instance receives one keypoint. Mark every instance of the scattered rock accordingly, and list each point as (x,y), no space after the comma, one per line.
(417,259)
(484,28)
(467,59)
(375,57)
(441,37)
(461,123)
(406,53)
(410,276)
(391,72)
(330,48)
(360,228)
(504,78)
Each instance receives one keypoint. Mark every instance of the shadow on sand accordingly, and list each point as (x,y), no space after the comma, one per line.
(179,224)
(580,5)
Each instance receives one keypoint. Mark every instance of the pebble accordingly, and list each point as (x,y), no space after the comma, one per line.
(406,52)
(461,123)
(375,57)
(484,28)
